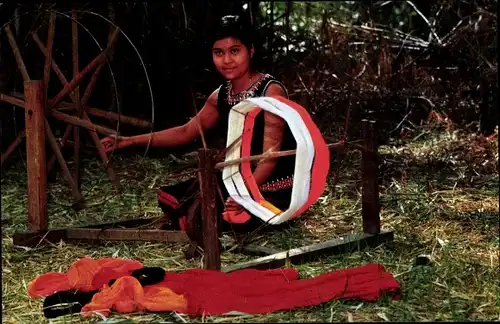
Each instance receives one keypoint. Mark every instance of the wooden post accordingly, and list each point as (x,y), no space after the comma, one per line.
(36,157)
(76,93)
(210,221)
(369,166)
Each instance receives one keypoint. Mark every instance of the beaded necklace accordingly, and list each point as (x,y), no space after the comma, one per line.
(250,92)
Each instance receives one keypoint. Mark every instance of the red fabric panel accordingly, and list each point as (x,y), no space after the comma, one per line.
(246,145)
(261,292)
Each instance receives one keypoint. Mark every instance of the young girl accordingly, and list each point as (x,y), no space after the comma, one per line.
(232,53)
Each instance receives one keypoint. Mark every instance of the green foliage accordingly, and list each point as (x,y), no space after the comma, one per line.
(303,18)
(396,15)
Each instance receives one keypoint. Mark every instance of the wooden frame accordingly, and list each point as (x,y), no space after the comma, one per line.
(39,233)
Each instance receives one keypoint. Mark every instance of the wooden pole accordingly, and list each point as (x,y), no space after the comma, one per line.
(370,205)
(210,221)
(63,117)
(36,157)
(136,122)
(17,53)
(76,94)
(339,146)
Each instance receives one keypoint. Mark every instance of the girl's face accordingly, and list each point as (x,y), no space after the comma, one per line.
(231,58)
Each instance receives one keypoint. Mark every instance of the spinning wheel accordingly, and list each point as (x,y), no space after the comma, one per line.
(75,113)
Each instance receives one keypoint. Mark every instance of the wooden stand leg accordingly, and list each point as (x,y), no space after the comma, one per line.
(210,226)
(36,157)
(369,167)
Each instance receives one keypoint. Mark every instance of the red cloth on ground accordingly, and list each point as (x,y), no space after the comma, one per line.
(204,292)
(260,292)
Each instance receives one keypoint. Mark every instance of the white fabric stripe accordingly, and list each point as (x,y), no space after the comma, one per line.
(246,200)
(231,174)
(303,165)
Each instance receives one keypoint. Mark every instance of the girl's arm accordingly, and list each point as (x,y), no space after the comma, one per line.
(180,135)
(175,136)
(274,128)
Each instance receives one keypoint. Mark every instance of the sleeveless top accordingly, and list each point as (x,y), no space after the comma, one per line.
(284,169)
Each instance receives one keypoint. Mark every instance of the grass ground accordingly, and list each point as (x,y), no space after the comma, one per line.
(439,193)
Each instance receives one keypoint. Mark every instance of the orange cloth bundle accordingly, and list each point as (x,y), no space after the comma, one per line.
(84,274)
(124,296)
(127,295)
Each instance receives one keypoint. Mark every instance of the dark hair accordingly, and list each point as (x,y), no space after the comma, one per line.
(233,26)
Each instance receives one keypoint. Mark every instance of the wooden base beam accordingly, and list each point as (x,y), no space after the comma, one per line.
(349,243)
(127,230)
(251,249)
(97,234)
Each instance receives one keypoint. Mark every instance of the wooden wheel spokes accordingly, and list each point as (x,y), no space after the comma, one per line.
(48,131)
(74,96)
(78,117)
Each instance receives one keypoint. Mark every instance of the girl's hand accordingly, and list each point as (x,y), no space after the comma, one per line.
(232,206)
(115,141)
